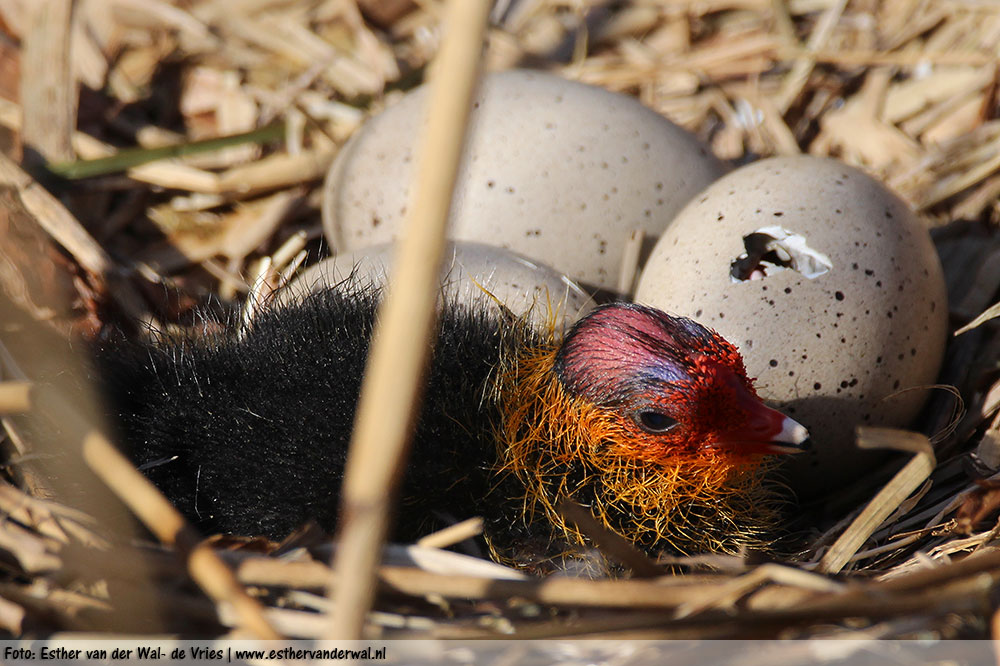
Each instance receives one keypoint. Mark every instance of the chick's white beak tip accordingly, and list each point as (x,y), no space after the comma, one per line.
(793,436)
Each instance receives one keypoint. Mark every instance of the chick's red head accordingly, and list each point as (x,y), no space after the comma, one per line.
(673,384)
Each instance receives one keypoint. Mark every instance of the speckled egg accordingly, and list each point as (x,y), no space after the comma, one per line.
(559,171)
(830,287)
(471,273)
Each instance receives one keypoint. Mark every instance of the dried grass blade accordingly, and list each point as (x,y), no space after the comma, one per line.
(449,536)
(66,230)
(400,344)
(147,503)
(796,79)
(11,617)
(989,313)
(729,593)
(15,397)
(554,590)
(142,497)
(275,171)
(47,90)
(28,548)
(885,502)
(893,439)
(612,545)
(58,222)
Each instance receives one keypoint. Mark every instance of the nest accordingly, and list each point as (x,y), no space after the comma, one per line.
(124,102)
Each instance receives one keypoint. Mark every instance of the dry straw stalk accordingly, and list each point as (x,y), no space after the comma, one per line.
(401,344)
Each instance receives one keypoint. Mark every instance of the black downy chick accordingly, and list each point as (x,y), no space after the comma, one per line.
(246,432)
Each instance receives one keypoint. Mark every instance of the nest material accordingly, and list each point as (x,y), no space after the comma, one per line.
(903,88)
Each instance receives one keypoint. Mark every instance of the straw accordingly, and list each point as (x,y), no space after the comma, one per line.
(47,80)
(401,343)
(142,497)
(885,502)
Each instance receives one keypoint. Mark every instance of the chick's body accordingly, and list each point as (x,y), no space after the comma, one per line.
(247,434)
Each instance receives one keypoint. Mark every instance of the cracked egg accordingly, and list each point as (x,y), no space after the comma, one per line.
(830,287)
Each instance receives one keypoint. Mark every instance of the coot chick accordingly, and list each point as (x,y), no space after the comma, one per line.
(648,420)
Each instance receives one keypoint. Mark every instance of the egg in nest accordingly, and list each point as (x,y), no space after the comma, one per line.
(830,287)
(556,170)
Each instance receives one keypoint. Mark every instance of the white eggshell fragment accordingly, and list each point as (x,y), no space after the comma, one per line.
(838,300)
(559,171)
(472,273)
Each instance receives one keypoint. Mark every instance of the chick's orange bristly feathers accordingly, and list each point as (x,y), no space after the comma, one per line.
(651,422)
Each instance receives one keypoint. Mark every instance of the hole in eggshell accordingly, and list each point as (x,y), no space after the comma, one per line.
(770,250)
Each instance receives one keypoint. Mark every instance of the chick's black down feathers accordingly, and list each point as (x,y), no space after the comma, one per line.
(248,433)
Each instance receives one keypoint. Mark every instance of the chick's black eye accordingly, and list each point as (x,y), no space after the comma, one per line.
(655,422)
